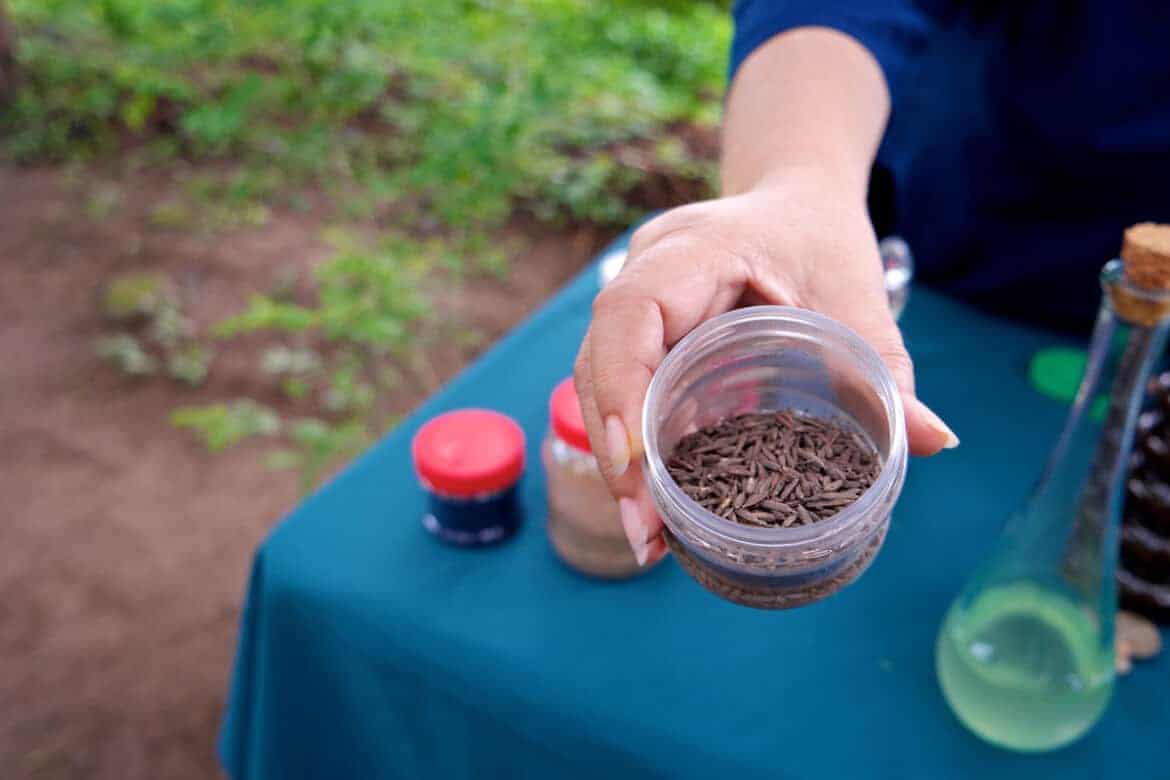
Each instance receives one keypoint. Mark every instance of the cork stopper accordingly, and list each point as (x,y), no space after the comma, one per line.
(1145,250)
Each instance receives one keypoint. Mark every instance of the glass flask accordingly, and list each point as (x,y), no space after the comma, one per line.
(1025,653)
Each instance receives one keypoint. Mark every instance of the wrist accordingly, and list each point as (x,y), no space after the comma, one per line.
(843,183)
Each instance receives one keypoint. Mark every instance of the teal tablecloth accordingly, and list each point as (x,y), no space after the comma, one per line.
(370,650)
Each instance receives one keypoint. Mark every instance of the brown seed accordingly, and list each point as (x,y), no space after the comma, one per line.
(773,469)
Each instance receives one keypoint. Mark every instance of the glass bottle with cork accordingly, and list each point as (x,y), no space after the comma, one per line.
(1025,653)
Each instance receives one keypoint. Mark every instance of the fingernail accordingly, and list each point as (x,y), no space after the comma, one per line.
(654,549)
(935,422)
(635,528)
(617,441)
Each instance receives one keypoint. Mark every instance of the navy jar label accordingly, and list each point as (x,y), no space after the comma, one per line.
(475,521)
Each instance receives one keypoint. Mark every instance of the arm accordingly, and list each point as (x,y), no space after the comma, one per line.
(806,113)
(808,98)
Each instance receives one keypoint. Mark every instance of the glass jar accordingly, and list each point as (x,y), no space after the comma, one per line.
(469,462)
(773,358)
(584,526)
(898,271)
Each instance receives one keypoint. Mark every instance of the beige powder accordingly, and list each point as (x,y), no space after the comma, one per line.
(583,521)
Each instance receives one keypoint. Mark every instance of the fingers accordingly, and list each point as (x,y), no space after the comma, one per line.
(925,430)
(926,433)
(672,288)
(669,288)
(611,443)
(643,528)
(640,521)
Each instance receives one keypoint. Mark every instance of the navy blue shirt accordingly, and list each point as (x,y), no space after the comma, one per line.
(1024,136)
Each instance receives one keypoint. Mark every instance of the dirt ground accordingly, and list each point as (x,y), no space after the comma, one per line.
(124,546)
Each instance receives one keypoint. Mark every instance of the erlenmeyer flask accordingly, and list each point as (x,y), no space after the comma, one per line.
(1025,653)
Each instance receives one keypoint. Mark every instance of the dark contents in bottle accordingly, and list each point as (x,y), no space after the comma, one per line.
(1144,574)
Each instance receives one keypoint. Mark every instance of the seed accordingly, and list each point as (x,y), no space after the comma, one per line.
(774,469)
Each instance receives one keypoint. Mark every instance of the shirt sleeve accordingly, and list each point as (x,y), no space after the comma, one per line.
(892,30)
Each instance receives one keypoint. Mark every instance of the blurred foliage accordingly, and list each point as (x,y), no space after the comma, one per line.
(137,294)
(367,298)
(429,122)
(152,330)
(317,445)
(125,351)
(466,107)
(366,304)
(221,425)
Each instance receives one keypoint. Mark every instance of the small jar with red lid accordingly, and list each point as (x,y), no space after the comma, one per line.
(584,526)
(469,461)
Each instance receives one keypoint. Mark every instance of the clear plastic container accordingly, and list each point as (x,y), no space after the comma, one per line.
(771,358)
(584,526)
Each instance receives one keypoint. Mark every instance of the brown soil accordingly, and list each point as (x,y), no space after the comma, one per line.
(124,546)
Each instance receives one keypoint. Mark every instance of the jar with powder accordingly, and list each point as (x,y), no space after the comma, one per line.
(584,526)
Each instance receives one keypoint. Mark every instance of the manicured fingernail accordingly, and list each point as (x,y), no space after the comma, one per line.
(935,422)
(635,528)
(617,441)
(654,549)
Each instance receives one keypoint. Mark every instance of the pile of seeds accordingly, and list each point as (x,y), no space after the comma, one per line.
(774,468)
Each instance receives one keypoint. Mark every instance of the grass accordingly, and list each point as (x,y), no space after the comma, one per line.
(464,109)
(434,120)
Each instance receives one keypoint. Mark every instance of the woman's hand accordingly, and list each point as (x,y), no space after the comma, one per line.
(796,240)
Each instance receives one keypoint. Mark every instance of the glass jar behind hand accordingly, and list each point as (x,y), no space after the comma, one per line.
(584,526)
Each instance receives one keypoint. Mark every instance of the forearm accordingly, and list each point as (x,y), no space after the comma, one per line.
(811,98)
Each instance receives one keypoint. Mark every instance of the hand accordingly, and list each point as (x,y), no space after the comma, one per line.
(796,241)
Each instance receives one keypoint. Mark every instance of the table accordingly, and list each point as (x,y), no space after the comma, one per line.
(368,649)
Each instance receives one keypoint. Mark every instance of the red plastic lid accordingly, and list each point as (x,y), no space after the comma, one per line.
(468,452)
(564,411)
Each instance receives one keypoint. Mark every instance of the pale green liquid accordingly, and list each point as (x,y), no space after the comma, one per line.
(1024,667)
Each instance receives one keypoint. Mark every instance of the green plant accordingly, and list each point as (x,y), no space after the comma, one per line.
(221,425)
(367,303)
(147,303)
(317,445)
(125,352)
(367,299)
(466,108)
(137,294)
(281,360)
(189,363)
(431,122)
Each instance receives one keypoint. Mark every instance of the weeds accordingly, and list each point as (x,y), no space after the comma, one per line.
(434,121)
(464,108)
